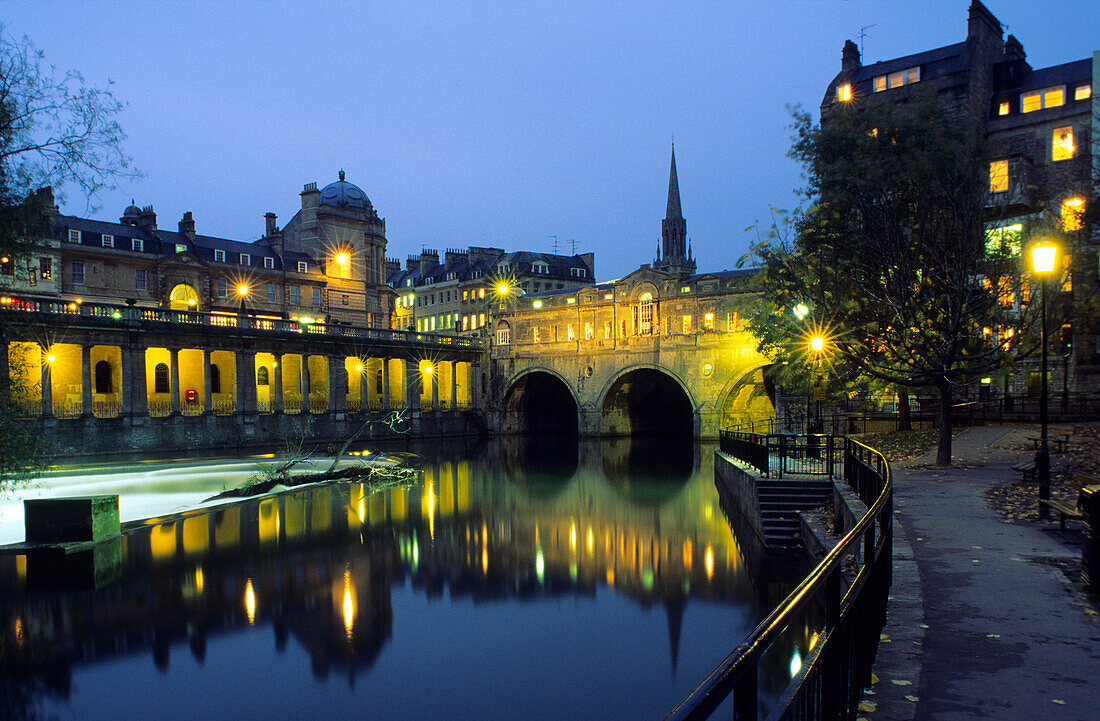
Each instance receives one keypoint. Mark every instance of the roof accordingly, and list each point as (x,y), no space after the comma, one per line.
(1064,74)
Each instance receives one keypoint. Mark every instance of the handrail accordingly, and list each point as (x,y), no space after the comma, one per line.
(244,321)
(856,617)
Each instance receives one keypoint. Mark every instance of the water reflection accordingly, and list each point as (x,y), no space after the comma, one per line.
(463,575)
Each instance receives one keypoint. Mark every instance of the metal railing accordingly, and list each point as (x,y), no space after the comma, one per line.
(779,454)
(837,667)
(109,311)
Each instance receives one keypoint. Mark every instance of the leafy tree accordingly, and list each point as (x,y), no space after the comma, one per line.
(56,132)
(891,258)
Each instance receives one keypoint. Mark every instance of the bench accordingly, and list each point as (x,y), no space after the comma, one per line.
(1059,442)
(1065,512)
(1028,469)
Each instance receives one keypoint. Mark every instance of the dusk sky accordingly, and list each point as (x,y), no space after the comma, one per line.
(484,123)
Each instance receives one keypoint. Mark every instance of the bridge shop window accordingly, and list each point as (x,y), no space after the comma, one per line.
(294,297)
(731,321)
(160,378)
(74,236)
(103,380)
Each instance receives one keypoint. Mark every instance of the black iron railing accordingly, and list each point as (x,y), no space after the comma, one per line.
(837,667)
(779,454)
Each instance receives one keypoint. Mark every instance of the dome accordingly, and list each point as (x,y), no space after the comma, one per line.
(132,211)
(343,194)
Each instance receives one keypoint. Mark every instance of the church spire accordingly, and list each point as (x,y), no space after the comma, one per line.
(672,211)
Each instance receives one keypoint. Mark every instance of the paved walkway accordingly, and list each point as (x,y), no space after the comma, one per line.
(981,624)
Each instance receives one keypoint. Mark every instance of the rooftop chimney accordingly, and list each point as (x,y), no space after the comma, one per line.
(147,221)
(187,226)
(270,228)
(849,58)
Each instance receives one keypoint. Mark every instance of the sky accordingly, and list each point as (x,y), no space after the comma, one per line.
(502,124)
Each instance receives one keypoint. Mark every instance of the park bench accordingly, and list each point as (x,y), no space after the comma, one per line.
(1028,469)
(1059,442)
(1065,512)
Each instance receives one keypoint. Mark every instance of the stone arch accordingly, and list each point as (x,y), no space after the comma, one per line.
(183,297)
(647,398)
(540,400)
(745,398)
(104,377)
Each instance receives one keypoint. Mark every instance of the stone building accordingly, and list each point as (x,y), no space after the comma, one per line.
(455,296)
(1040,124)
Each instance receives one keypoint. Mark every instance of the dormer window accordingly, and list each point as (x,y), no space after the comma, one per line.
(181,248)
(246,259)
(219,255)
(1046,98)
(302,266)
(137,244)
(74,236)
(578,272)
(408,282)
(108,241)
(269,262)
(1082,92)
(897,79)
(541,268)
(429,281)
(450,276)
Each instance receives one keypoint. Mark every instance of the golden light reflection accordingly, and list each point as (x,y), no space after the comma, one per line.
(610,576)
(708,561)
(688,553)
(591,541)
(485,561)
(18,630)
(572,537)
(199,580)
(250,601)
(427,506)
(349,604)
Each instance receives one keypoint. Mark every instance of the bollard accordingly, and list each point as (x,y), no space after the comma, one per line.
(1089,503)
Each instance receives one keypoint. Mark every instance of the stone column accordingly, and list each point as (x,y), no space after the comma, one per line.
(337,385)
(278,381)
(434,380)
(246,382)
(365,381)
(386,385)
(475,384)
(135,394)
(5,370)
(207,385)
(174,376)
(47,388)
(305,383)
(454,385)
(412,385)
(86,381)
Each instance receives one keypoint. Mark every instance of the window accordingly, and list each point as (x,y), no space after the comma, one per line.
(303,267)
(181,248)
(317,297)
(345,300)
(465,322)
(897,79)
(450,276)
(578,272)
(429,281)
(137,244)
(1004,240)
(246,259)
(141,279)
(269,262)
(536,335)
(215,378)
(643,317)
(607,330)
(108,241)
(622,329)
(223,288)
(570,301)
(74,236)
(465,296)
(78,274)
(1045,98)
(6,266)
(45,268)
(271,293)
(685,289)
(219,255)
(504,334)
(687,324)
(541,268)
(1002,109)
(708,321)
(480,292)
(1082,92)
(571,332)
(263,376)
(998,176)
(481,320)
(588,331)
(844,92)
(1062,144)
(1072,210)
(160,378)
(103,380)
(731,321)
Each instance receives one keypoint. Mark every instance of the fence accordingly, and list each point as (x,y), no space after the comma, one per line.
(776,455)
(837,667)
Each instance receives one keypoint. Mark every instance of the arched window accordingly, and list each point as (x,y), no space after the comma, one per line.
(504,333)
(103,379)
(160,378)
(643,315)
(215,378)
(262,377)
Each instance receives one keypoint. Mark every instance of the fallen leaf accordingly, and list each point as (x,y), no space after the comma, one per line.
(993,635)
(874,678)
(912,698)
(1058,701)
(867,706)
(977,548)
(924,625)
(975,561)
(900,682)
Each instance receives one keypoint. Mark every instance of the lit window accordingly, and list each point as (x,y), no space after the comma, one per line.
(480,292)
(137,244)
(536,334)
(108,241)
(844,92)
(481,320)
(643,318)
(912,75)
(731,321)
(269,262)
(74,236)
(141,279)
(1072,210)
(1045,98)
(1062,144)
(1082,92)
(880,83)
(432,319)
(246,259)
(78,274)
(608,296)
(219,255)
(687,324)
(1002,109)
(685,289)
(1030,102)
(504,334)
(45,267)
(1004,240)
(570,301)
(588,331)
(270,292)
(304,267)
(181,248)
(897,80)
(607,330)
(998,176)
(465,296)
(1053,97)
(708,321)
(571,332)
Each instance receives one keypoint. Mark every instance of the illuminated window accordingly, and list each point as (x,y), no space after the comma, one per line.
(731,321)
(181,248)
(687,324)
(219,256)
(844,92)
(481,320)
(896,80)
(1002,109)
(108,241)
(141,279)
(588,333)
(504,334)
(303,267)
(685,289)
(1053,97)
(432,322)
(74,236)
(160,378)
(1072,209)
(643,314)
(45,268)
(1004,240)
(465,322)
(1067,274)
(480,292)
(880,83)
(998,176)
(1062,144)
(570,301)
(608,296)
(571,332)
(1045,98)
(708,321)
(536,334)
(1082,92)
(78,274)
(607,330)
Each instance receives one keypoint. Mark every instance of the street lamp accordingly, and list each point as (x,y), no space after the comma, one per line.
(817,344)
(1043,257)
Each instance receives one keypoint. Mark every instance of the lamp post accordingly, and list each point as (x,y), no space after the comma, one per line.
(1043,256)
(817,344)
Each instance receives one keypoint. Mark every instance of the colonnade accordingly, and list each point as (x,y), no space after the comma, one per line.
(68,380)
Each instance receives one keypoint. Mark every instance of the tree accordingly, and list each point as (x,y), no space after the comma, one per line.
(891,257)
(56,132)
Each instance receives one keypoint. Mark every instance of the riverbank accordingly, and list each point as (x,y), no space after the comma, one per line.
(984,621)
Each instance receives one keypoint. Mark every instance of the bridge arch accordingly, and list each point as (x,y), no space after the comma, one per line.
(647,399)
(748,397)
(540,401)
